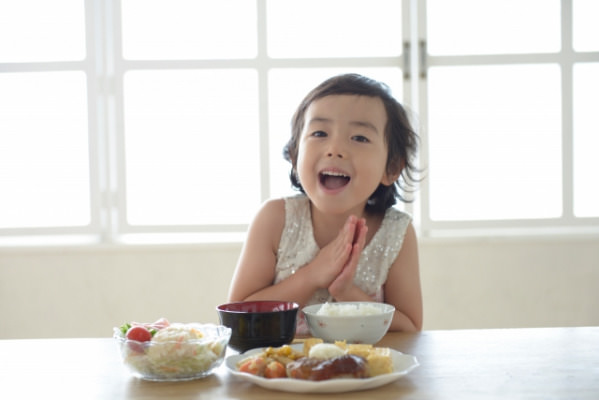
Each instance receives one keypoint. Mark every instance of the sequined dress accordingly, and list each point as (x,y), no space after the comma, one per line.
(298,247)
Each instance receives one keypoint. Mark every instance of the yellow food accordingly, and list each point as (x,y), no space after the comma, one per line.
(379,361)
(378,358)
(361,350)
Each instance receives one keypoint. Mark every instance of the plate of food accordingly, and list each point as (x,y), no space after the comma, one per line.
(317,367)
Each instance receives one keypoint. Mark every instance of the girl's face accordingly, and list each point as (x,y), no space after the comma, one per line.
(342,153)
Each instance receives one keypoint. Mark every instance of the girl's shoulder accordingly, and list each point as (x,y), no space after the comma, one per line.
(277,216)
(395,214)
(280,206)
(271,210)
(297,204)
(275,212)
(267,225)
(395,223)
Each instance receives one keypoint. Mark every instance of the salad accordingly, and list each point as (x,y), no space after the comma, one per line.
(172,351)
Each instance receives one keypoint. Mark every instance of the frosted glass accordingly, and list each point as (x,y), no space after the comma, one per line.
(189,29)
(585,29)
(586,140)
(493,26)
(44,162)
(191,146)
(334,28)
(41,30)
(495,142)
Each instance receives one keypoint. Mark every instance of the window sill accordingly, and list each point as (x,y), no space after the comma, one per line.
(510,234)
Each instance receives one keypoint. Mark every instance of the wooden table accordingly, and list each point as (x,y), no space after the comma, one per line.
(542,363)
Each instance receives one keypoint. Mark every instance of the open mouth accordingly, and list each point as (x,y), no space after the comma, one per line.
(333,180)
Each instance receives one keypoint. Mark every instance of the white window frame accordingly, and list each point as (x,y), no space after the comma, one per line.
(565,58)
(105,67)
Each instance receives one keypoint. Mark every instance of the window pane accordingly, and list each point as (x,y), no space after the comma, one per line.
(334,28)
(44,165)
(586,140)
(287,88)
(493,26)
(191,146)
(41,30)
(189,29)
(585,27)
(495,142)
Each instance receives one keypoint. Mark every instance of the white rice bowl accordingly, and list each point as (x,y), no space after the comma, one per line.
(354,322)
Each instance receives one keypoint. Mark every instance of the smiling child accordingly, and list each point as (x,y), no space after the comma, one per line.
(352,152)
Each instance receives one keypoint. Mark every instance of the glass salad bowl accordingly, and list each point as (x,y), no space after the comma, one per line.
(175,352)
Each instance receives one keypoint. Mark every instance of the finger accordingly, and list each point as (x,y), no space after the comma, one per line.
(344,252)
(348,232)
(356,250)
(360,236)
(360,229)
(350,225)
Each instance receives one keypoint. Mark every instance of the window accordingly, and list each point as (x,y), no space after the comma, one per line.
(507,106)
(44,118)
(121,118)
(495,123)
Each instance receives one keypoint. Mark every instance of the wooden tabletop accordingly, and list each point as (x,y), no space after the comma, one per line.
(540,363)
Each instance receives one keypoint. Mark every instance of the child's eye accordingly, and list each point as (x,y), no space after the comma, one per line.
(361,139)
(319,134)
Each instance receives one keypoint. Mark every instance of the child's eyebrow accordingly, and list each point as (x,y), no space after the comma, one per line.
(361,124)
(365,124)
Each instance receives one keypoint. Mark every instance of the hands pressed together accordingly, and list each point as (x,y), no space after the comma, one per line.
(337,262)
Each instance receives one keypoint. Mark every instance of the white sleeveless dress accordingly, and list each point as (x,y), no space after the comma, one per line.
(298,247)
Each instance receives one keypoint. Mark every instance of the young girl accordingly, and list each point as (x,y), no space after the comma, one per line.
(340,240)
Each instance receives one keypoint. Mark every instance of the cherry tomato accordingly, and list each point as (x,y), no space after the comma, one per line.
(139,333)
(275,369)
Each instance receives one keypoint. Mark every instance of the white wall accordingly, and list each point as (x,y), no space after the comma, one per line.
(84,292)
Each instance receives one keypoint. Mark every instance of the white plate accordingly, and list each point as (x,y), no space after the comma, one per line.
(402,365)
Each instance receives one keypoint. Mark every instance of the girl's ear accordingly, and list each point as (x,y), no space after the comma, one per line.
(389,179)
(392,175)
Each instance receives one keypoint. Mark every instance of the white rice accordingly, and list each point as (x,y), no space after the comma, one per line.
(335,309)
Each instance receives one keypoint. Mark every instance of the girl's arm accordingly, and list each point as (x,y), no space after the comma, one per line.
(402,288)
(255,271)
